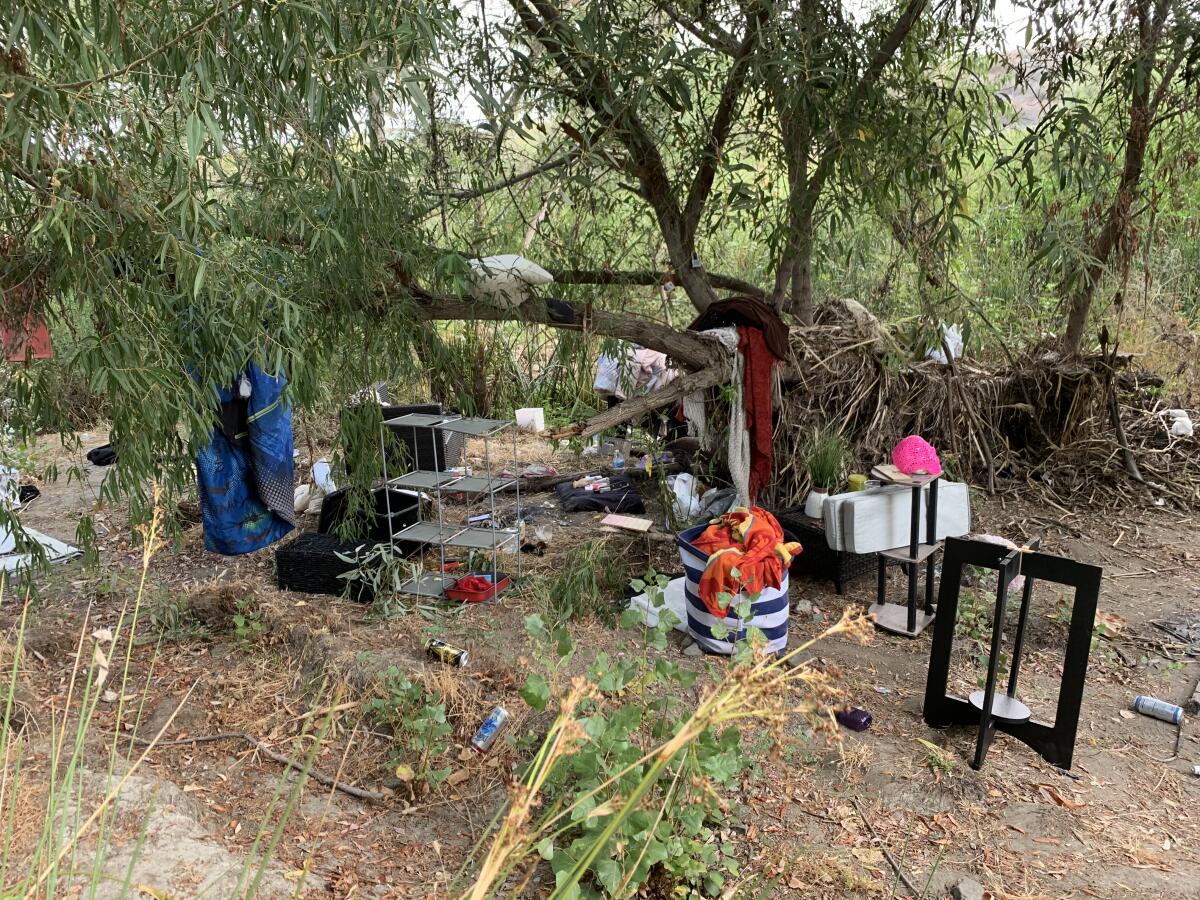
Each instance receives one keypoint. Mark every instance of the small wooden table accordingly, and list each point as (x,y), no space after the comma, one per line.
(908,620)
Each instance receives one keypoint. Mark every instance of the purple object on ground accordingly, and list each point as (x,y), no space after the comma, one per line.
(854,718)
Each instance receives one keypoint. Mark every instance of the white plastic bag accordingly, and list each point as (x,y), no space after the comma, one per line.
(951,338)
(1181,423)
(505,279)
(687,497)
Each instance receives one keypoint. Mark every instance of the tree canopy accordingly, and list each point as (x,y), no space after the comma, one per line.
(188,185)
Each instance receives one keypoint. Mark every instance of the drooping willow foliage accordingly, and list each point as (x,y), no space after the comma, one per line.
(187,187)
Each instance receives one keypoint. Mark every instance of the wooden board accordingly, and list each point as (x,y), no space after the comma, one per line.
(628,523)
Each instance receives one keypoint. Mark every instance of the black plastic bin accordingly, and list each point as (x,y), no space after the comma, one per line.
(818,559)
(405,510)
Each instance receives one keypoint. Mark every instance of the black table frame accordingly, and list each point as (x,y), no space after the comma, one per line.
(1054,742)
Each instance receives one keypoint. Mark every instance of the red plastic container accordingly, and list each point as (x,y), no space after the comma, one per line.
(467,596)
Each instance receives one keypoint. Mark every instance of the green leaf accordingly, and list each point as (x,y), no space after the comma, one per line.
(195,138)
(608,873)
(213,128)
(198,282)
(536,692)
(545,848)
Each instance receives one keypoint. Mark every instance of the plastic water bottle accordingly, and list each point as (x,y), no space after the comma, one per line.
(618,459)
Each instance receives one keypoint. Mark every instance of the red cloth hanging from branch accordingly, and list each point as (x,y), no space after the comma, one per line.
(759,363)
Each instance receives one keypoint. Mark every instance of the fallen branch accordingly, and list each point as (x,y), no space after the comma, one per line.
(886,855)
(286,761)
(687,348)
(639,406)
(648,277)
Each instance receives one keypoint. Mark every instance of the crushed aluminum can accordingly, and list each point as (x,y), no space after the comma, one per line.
(453,656)
(490,730)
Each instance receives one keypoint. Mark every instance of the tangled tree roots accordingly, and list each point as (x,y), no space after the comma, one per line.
(1040,419)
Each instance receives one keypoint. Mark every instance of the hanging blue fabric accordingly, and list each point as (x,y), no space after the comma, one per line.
(245,472)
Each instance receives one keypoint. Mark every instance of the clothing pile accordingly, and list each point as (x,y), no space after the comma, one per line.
(746,552)
(760,338)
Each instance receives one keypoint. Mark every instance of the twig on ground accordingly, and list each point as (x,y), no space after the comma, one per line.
(886,854)
(286,761)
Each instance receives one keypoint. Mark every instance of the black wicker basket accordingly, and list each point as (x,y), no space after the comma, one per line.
(310,564)
(819,560)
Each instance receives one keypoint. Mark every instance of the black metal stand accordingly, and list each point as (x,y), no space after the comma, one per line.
(908,621)
(992,713)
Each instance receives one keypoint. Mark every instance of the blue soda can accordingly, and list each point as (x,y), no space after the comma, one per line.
(486,736)
(1158,709)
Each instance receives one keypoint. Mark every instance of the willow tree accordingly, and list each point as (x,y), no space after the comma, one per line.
(711,114)
(188,186)
(1119,82)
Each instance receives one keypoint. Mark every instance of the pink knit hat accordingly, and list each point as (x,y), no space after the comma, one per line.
(915,454)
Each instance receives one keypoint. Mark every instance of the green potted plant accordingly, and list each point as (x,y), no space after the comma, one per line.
(825,456)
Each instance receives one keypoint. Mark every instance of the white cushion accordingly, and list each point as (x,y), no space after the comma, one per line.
(861,522)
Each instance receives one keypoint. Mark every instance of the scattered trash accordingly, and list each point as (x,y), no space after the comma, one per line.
(952,339)
(1158,709)
(453,656)
(673,599)
(854,718)
(322,477)
(10,488)
(687,496)
(533,470)
(628,523)
(1165,712)
(490,730)
(27,493)
(717,501)
(1181,423)
(103,455)
(1196,770)
(967,889)
(56,551)
(882,690)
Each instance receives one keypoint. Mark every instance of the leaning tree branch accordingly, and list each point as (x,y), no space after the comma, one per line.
(687,348)
(648,277)
(884,54)
(718,134)
(635,407)
(592,88)
(711,34)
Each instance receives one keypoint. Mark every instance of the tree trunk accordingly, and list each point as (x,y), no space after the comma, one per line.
(1111,243)
(802,288)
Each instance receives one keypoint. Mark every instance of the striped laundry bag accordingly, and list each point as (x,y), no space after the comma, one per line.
(768,613)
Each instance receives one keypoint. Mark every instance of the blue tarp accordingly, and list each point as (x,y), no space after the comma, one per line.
(246,492)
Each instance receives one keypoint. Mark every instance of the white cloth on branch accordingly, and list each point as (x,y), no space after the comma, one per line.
(739,437)
(505,280)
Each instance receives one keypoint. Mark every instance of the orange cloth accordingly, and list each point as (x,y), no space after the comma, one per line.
(746,551)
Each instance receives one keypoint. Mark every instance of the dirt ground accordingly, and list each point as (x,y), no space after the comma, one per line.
(824,815)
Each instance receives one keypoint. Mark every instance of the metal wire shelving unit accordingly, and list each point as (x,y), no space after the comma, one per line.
(478,489)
